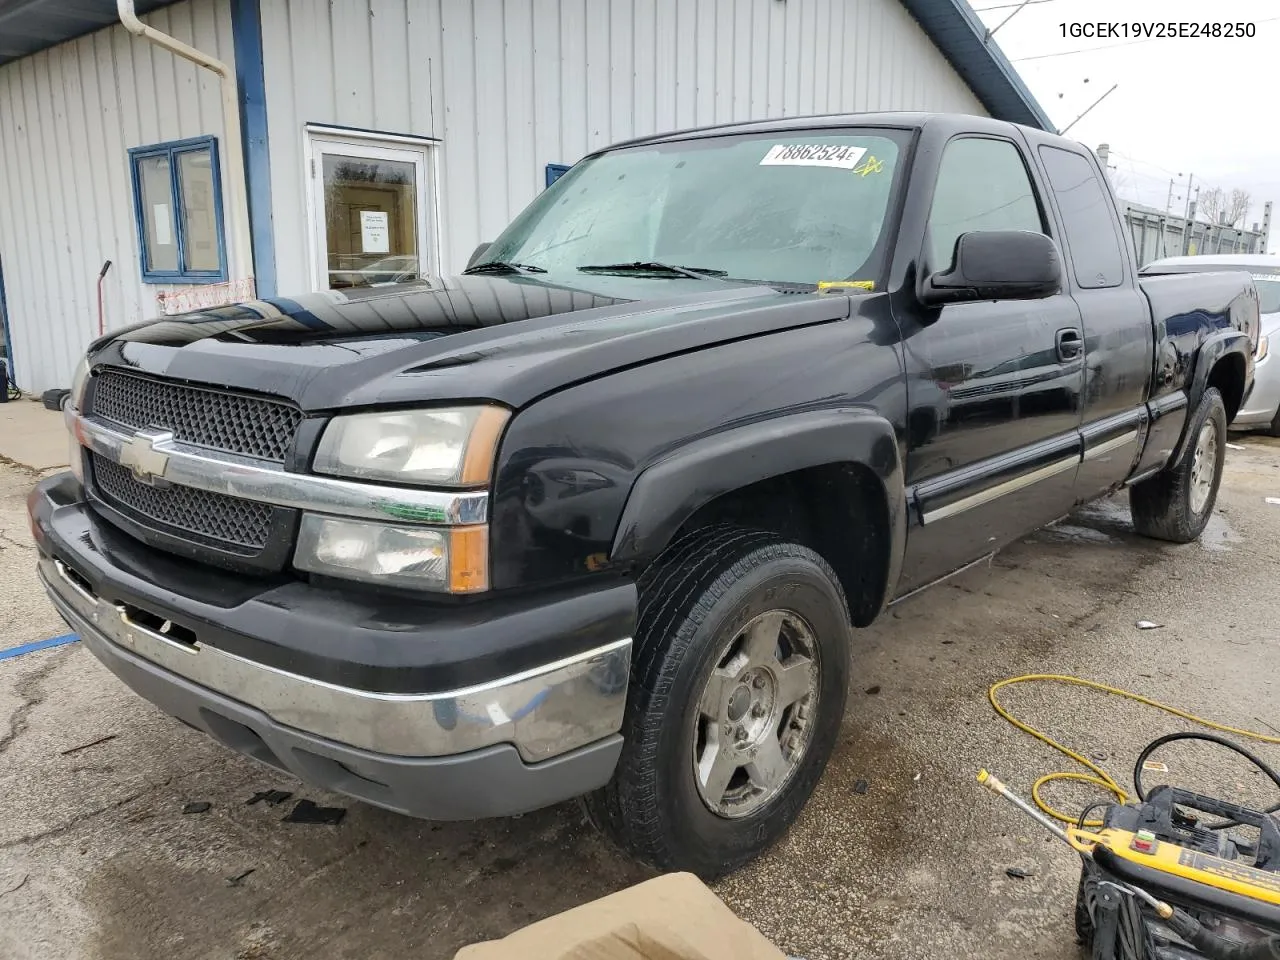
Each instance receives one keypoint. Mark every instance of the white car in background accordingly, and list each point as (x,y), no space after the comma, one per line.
(1262,405)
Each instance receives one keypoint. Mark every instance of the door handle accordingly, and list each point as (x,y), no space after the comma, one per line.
(1070,344)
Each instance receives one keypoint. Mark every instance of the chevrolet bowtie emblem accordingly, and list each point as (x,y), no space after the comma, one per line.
(143,459)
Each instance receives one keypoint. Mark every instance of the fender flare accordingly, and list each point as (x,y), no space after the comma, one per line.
(667,493)
(1214,349)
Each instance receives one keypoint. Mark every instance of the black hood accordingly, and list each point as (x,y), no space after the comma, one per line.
(473,337)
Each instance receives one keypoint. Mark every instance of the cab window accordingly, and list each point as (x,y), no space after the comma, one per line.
(1087,219)
(982,185)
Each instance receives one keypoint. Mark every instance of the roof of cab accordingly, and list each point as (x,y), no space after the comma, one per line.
(899,120)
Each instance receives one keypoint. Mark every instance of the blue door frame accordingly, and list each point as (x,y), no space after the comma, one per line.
(4,332)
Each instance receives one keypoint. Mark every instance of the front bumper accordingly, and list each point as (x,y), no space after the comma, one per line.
(504,745)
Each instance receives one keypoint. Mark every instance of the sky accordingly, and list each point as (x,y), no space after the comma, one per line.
(1207,109)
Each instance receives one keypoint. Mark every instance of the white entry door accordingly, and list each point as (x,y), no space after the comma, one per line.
(372,211)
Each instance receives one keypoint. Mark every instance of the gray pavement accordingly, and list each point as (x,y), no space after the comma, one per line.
(101,862)
(31,436)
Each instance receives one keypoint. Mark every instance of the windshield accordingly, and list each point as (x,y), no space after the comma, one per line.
(799,208)
(1268,292)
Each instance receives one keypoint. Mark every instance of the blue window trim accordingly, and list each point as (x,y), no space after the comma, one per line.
(555,171)
(172,150)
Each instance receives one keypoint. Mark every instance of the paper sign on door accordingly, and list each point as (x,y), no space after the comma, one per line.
(163,235)
(374,236)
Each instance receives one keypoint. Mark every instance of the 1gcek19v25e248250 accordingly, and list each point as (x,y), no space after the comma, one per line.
(599,516)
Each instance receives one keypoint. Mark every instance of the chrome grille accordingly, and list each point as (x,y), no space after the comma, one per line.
(227,523)
(237,423)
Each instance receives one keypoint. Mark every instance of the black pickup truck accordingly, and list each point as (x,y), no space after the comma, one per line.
(599,516)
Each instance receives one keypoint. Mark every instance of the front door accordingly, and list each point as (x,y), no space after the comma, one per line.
(371,215)
(993,388)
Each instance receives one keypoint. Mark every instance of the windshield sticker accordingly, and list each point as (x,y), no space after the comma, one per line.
(826,285)
(813,155)
(1269,277)
(870,165)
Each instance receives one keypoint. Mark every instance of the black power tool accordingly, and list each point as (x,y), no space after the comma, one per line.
(1159,882)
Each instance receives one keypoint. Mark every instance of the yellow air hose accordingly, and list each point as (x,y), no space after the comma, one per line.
(1097,776)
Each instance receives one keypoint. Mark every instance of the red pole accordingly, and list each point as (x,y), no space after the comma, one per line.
(101,319)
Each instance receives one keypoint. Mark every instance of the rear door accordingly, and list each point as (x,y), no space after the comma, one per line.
(993,387)
(1099,273)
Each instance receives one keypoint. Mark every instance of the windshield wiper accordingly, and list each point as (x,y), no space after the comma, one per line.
(504,266)
(653,266)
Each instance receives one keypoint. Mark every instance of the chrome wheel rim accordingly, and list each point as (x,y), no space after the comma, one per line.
(755,714)
(1204,462)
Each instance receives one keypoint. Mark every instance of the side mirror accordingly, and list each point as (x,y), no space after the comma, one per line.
(997,265)
(477,253)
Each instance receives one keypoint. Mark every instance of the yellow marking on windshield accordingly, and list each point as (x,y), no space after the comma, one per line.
(869,165)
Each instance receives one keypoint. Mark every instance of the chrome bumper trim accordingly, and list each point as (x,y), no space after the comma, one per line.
(544,712)
(172,461)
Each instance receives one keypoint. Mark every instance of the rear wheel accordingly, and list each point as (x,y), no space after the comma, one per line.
(1274,429)
(736,699)
(1176,504)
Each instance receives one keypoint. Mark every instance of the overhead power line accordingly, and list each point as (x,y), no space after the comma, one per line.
(1146,163)
(1068,53)
(1007,6)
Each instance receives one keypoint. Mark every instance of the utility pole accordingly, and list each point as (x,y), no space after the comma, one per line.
(1168,204)
(1187,212)
(1188,236)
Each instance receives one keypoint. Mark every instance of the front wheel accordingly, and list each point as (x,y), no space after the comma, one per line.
(736,699)
(1176,504)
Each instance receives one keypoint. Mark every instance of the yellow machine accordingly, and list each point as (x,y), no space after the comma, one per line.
(1161,883)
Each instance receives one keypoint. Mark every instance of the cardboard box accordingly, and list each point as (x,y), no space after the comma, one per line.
(673,917)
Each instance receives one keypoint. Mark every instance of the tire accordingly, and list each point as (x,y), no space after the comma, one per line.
(1273,429)
(700,604)
(1083,920)
(1176,504)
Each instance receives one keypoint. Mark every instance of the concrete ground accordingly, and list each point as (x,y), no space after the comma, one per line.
(97,859)
(31,436)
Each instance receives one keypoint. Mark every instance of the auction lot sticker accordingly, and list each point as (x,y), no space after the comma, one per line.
(813,155)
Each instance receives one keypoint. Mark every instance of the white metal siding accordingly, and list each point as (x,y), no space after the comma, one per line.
(508,85)
(68,116)
(512,85)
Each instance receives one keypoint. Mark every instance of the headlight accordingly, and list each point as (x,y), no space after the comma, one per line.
(1261,352)
(452,447)
(422,558)
(78,383)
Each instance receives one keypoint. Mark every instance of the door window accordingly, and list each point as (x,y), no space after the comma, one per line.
(371,214)
(1087,219)
(982,185)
